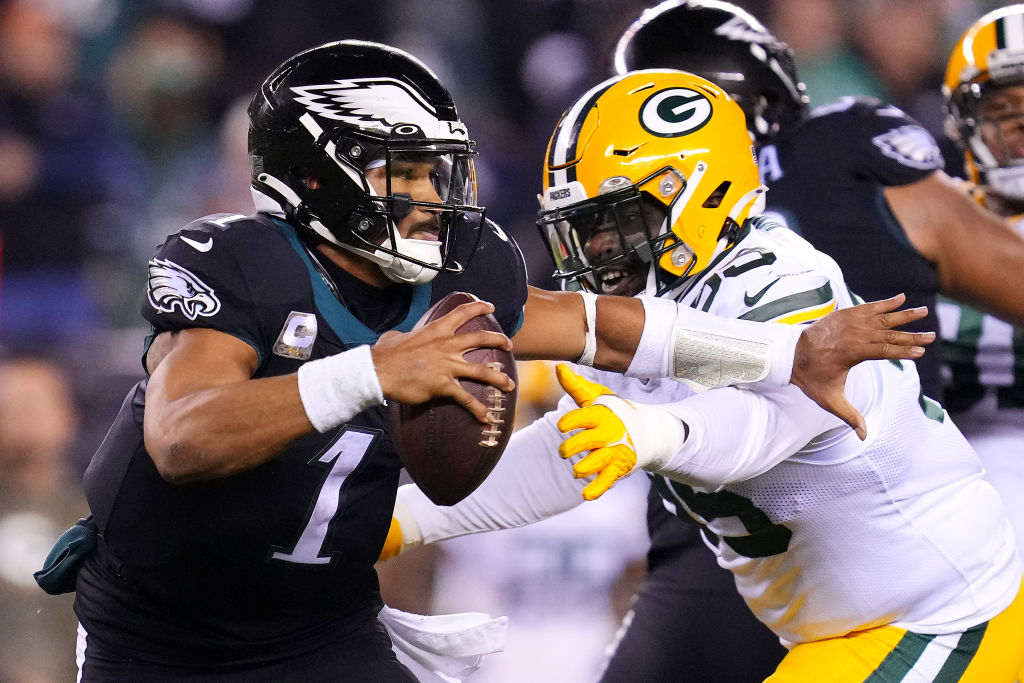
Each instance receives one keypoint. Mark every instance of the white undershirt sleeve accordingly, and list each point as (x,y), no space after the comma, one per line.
(735,434)
(530,483)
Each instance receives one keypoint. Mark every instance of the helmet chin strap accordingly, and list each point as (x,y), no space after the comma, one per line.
(394,267)
(1007,181)
(398,269)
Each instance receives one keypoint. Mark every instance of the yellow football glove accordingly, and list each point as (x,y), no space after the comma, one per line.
(611,450)
(393,544)
(404,532)
(619,434)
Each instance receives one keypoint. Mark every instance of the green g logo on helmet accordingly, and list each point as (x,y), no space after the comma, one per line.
(674,112)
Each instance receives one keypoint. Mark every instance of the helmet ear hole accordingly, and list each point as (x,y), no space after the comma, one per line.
(714,199)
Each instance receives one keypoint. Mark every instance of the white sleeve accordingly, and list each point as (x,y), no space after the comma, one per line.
(735,434)
(529,483)
(705,351)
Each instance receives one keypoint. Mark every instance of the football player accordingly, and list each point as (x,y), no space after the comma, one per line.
(863,183)
(984,93)
(889,559)
(245,488)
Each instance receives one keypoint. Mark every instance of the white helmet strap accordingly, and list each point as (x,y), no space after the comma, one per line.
(394,267)
(398,269)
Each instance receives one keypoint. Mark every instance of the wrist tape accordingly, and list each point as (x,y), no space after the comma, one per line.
(590,345)
(705,351)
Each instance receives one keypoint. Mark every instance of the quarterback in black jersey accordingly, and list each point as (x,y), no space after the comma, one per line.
(863,183)
(245,488)
(236,541)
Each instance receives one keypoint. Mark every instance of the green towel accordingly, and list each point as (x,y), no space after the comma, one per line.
(60,570)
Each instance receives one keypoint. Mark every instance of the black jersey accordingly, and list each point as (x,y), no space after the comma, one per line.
(827,178)
(277,560)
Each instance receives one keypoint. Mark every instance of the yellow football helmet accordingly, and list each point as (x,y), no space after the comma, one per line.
(648,177)
(988,57)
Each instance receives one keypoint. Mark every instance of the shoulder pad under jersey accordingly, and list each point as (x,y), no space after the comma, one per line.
(879,140)
(496,273)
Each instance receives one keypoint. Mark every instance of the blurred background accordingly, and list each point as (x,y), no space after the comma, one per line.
(121,120)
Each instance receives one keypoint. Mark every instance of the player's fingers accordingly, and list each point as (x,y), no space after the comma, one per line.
(883,305)
(910,345)
(479,339)
(460,315)
(903,317)
(834,400)
(599,486)
(582,391)
(586,440)
(485,373)
(595,462)
(581,418)
(465,399)
(605,479)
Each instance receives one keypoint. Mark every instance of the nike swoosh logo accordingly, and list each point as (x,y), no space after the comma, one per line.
(198,246)
(751,300)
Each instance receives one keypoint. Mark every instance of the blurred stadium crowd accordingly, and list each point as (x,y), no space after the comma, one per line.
(122,120)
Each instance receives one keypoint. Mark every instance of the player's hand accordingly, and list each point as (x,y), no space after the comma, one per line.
(393,544)
(619,434)
(831,346)
(414,367)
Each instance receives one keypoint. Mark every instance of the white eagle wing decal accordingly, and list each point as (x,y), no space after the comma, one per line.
(171,286)
(380,103)
(911,146)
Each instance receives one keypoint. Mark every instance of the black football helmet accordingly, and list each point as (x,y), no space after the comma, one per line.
(726,45)
(329,115)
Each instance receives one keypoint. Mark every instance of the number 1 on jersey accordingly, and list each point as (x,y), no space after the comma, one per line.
(344,455)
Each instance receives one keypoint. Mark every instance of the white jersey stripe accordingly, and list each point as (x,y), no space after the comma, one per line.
(565,138)
(80,646)
(1013,31)
(934,657)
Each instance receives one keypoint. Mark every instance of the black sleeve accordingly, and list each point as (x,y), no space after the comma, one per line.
(496,273)
(195,282)
(890,147)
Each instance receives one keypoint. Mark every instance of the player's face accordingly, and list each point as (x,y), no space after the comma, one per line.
(1002,123)
(633,222)
(423,178)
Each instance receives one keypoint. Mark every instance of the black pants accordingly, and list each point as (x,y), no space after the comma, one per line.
(687,623)
(365,656)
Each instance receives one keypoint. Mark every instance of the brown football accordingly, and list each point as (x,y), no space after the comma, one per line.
(446,451)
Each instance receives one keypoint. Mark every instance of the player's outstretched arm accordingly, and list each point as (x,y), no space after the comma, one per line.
(979,257)
(648,337)
(206,418)
(831,346)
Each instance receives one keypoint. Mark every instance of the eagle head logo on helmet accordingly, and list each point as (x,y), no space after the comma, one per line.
(337,112)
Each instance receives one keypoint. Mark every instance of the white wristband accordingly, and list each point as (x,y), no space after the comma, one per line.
(337,388)
(651,359)
(590,345)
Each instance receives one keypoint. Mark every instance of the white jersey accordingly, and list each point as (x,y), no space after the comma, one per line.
(824,534)
(983,373)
